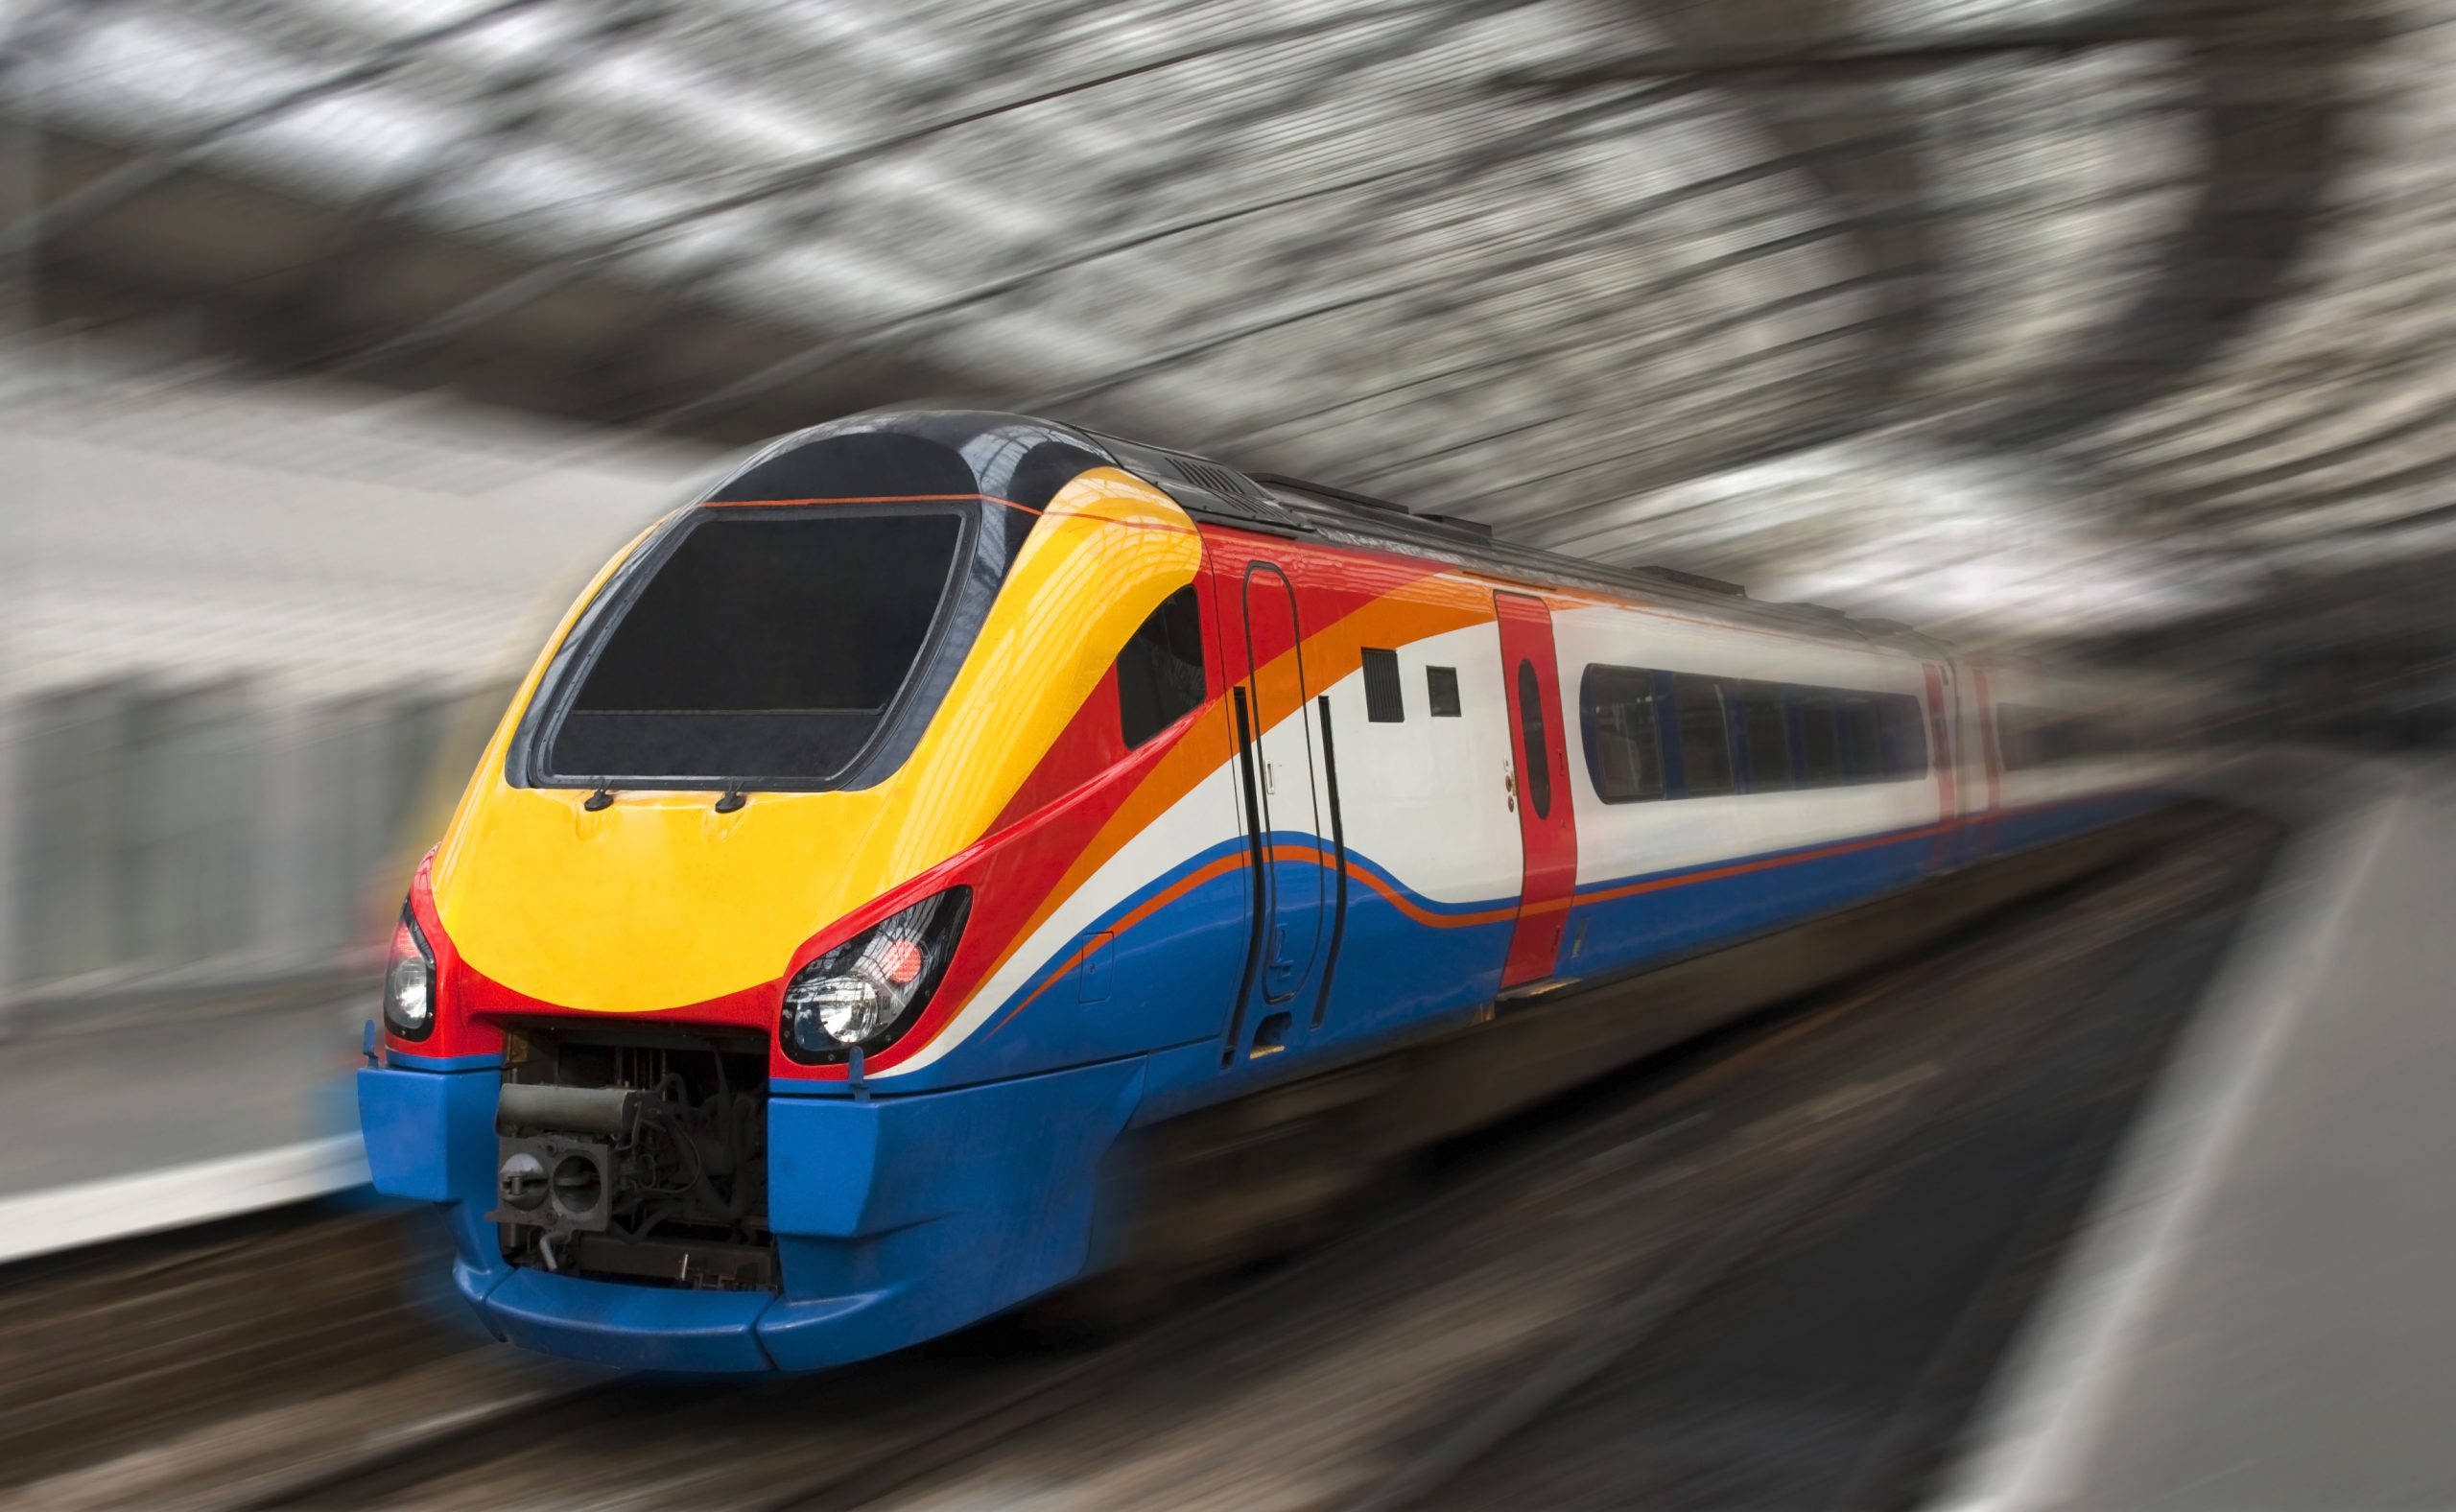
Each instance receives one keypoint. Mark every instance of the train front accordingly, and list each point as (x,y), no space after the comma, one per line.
(685,1024)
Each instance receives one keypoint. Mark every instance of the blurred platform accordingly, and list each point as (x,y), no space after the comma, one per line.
(2260,1315)
(128,1121)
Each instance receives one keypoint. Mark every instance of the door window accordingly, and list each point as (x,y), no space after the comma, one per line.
(1537,776)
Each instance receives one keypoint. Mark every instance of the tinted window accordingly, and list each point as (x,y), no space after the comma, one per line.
(1705,741)
(1862,741)
(1383,701)
(761,649)
(1820,763)
(1905,735)
(1766,725)
(1537,776)
(1441,691)
(1616,704)
(1159,673)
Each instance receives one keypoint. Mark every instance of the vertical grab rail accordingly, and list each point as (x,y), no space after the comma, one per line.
(1338,857)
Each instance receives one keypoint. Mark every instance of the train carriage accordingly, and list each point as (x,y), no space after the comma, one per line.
(894,837)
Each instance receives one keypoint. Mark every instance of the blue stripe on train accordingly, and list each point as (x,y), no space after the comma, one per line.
(1169,980)
(1681,911)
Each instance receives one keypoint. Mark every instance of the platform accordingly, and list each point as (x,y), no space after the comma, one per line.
(123,1122)
(2261,1315)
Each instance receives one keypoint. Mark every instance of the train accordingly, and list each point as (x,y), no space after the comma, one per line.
(925,872)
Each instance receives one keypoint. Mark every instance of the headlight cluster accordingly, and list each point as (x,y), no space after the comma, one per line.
(408,982)
(870,989)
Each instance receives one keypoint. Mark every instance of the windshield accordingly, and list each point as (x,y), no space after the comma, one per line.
(767,647)
(798,629)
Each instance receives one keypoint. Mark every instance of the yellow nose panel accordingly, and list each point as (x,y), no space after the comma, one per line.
(658,900)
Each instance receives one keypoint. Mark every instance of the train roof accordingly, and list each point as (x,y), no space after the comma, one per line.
(1025,460)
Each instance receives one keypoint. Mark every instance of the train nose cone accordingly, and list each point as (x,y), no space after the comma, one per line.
(522,1183)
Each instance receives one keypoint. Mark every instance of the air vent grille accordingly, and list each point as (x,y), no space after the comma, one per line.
(1225,482)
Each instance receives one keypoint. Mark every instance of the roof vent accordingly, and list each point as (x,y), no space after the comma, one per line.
(1221,493)
(1225,482)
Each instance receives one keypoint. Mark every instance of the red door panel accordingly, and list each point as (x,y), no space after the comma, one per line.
(1540,770)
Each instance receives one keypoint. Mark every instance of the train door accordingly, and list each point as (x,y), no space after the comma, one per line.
(1538,785)
(1289,893)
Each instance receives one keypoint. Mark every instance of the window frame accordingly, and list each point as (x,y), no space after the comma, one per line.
(976,574)
(1191,594)
(1591,732)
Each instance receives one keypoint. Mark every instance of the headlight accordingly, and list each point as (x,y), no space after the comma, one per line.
(408,982)
(869,989)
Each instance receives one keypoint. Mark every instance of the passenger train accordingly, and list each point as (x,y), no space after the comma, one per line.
(903,858)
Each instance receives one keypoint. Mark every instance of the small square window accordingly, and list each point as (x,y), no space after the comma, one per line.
(1382,704)
(1441,686)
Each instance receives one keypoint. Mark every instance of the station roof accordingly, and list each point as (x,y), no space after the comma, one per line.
(2050,314)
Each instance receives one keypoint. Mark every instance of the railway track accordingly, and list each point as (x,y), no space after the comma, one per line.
(1567,1364)
(1437,1468)
(965,1418)
(1759,1124)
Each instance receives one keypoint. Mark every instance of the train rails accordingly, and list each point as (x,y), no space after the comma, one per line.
(1419,1359)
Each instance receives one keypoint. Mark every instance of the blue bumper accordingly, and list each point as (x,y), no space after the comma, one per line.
(897,1218)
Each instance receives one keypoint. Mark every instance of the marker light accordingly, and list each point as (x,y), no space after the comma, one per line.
(870,989)
(408,982)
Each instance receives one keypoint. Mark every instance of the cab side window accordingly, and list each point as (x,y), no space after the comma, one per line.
(1159,674)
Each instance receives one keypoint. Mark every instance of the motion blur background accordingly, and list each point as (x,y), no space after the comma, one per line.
(339,340)
(340,336)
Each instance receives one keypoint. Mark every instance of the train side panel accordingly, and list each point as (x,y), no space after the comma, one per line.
(1668,876)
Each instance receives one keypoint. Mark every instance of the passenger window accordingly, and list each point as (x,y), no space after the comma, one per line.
(1159,674)
(1820,763)
(1766,722)
(1623,753)
(1905,736)
(1705,741)
(1536,780)
(1383,701)
(1862,742)
(1441,691)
